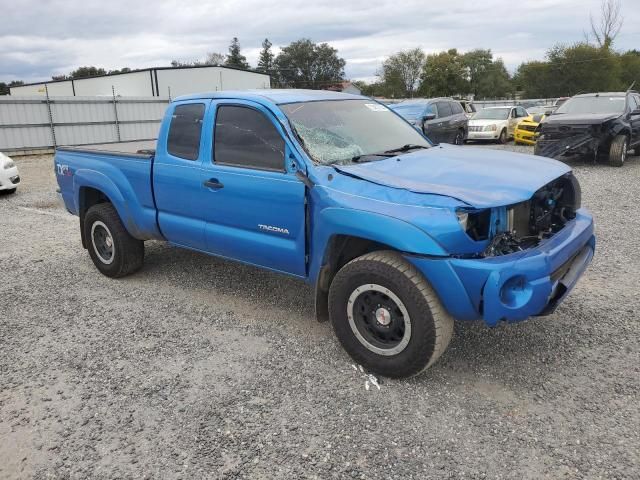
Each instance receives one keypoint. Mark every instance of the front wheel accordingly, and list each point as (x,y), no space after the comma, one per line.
(618,151)
(112,249)
(386,315)
(502,139)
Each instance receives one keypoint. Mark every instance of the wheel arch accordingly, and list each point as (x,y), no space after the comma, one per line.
(343,234)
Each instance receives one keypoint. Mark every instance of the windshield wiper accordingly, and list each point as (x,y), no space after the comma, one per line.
(405,148)
(363,158)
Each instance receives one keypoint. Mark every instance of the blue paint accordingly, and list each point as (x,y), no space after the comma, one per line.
(407,202)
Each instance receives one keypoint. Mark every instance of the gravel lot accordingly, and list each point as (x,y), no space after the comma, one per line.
(196,367)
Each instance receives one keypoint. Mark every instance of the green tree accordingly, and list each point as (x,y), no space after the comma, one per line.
(477,63)
(266,59)
(630,69)
(533,80)
(83,72)
(495,82)
(583,68)
(304,64)
(444,75)
(235,58)
(401,73)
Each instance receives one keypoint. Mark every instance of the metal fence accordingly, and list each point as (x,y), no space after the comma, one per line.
(35,125)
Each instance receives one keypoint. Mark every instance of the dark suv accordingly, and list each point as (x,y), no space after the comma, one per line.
(442,120)
(600,125)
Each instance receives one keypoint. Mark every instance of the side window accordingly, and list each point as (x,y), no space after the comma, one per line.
(444,109)
(634,102)
(456,108)
(185,130)
(514,113)
(522,112)
(244,137)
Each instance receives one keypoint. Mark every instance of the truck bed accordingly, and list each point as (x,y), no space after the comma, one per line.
(144,148)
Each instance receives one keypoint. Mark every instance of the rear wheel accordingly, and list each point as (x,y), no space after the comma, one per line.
(10,191)
(386,315)
(618,151)
(502,139)
(113,250)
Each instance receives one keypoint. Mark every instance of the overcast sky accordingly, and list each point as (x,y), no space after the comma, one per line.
(40,38)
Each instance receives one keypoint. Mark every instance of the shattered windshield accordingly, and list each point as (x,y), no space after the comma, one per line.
(599,104)
(492,114)
(347,131)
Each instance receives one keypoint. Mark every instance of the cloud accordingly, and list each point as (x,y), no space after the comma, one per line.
(41,38)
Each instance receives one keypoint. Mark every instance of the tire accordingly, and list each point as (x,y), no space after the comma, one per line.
(502,139)
(112,249)
(10,191)
(459,138)
(367,285)
(618,151)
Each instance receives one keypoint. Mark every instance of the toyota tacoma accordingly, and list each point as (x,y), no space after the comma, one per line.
(398,236)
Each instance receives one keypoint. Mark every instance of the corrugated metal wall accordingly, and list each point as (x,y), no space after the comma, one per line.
(29,124)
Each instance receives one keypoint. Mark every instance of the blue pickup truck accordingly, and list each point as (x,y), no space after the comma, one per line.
(399,236)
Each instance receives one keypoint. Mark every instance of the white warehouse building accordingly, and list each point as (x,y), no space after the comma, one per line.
(151,82)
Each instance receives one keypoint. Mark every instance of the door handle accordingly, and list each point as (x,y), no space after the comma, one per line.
(213,183)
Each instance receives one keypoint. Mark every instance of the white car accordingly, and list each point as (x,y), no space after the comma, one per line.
(9,178)
(495,123)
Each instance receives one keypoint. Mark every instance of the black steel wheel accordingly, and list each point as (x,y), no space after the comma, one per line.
(387,316)
(112,249)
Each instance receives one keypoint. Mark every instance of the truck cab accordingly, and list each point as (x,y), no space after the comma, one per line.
(399,237)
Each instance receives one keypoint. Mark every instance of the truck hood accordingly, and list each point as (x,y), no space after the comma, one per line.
(579,119)
(481,178)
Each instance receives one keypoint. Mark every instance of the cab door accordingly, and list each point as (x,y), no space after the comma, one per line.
(255,206)
(177,171)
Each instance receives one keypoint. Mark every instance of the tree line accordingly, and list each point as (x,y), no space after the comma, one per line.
(301,64)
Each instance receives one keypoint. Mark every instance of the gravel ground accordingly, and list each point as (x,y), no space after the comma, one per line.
(196,367)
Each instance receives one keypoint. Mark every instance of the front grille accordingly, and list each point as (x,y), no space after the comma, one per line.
(474,128)
(564,131)
(528,128)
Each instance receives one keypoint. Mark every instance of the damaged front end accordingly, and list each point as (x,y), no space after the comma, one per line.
(562,140)
(525,225)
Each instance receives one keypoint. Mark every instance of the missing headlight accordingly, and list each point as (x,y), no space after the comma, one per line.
(475,223)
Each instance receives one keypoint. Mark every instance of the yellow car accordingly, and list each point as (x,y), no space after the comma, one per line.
(524,133)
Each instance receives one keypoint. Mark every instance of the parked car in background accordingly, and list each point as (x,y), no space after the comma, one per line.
(495,123)
(525,132)
(442,120)
(600,125)
(9,177)
(468,107)
(398,238)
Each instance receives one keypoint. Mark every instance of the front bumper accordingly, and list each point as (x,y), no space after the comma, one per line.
(9,178)
(516,286)
(523,136)
(489,135)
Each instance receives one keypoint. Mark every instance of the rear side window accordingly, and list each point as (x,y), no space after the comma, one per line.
(456,108)
(185,129)
(430,109)
(444,109)
(244,137)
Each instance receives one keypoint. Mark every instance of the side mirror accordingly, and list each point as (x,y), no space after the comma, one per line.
(635,112)
(548,112)
(429,116)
